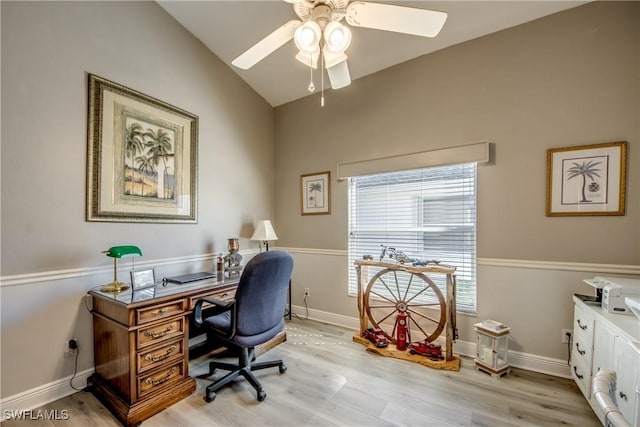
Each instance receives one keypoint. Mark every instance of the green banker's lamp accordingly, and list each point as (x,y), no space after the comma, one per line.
(116,252)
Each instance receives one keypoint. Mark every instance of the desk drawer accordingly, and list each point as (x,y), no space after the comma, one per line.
(158,312)
(161,332)
(148,383)
(153,358)
(225,294)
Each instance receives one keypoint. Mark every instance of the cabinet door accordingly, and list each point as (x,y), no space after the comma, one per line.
(627,361)
(603,342)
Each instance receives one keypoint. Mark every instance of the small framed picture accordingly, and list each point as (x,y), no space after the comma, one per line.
(143,279)
(315,193)
(586,180)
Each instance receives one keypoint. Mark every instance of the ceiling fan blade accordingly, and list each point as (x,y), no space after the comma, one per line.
(267,45)
(339,75)
(407,20)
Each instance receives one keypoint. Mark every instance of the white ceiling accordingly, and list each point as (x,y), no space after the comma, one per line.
(228,28)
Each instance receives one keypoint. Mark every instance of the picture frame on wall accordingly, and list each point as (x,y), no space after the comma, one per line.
(141,157)
(315,193)
(587,180)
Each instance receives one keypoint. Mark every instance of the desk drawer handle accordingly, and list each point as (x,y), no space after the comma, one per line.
(154,383)
(581,352)
(583,327)
(160,311)
(160,334)
(153,358)
(623,396)
(575,369)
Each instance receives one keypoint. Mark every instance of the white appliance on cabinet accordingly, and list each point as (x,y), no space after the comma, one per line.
(611,292)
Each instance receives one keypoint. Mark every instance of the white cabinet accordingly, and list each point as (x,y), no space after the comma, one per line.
(607,341)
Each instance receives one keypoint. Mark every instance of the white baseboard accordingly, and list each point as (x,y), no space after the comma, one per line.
(47,393)
(530,362)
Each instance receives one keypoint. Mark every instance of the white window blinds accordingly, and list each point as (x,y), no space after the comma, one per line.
(429,214)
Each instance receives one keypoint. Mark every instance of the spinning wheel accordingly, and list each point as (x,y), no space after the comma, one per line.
(392,291)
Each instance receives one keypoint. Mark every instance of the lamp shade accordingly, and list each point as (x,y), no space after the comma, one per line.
(120,251)
(264,231)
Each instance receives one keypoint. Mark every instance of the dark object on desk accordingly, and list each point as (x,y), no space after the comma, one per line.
(188,278)
(590,299)
(252,318)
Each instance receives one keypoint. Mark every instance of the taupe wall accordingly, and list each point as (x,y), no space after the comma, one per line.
(47,50)
(564,80)
(567,79)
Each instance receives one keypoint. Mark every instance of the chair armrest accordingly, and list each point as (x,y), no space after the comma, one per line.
(220,306)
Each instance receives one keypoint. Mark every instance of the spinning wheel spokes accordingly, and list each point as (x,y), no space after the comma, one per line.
(393,291)
(425,316)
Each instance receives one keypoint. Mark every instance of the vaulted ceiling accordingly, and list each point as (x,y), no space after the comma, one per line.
(228,28)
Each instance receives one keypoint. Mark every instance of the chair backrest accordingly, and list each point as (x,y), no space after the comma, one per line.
(261,296)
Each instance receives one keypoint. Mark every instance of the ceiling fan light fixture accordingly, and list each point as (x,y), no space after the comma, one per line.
(309,59)
(337,37)
(307,37)
(332,58)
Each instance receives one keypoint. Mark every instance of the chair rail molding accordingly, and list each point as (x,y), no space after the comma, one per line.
(507,263)
(50,276)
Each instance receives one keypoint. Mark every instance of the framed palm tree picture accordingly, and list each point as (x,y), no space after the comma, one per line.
(141,157)
(586,180)
(315,193)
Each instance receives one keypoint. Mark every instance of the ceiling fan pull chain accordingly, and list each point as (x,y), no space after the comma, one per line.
(322,81)
(311,87)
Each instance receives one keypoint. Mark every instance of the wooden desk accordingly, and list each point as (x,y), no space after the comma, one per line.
(141,346)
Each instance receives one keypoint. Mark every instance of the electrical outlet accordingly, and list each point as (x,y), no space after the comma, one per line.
(566,335)
(70,347)
(307,293)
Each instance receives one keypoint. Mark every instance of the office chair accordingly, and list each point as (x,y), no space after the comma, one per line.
(253,317)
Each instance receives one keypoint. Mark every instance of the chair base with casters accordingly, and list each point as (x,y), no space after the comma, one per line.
(245,367)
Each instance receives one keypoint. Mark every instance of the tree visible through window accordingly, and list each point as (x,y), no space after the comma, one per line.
(430,214)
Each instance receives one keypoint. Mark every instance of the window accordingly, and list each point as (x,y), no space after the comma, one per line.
(429,214)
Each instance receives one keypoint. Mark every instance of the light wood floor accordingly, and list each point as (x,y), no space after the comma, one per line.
(332,381)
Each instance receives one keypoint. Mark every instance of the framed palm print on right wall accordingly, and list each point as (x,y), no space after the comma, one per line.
(315,193)
(586,180)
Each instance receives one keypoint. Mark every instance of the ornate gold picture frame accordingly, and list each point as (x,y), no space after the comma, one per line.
(141,157)
(587,180)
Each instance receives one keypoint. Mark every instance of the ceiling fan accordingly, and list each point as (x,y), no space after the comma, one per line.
(319,34)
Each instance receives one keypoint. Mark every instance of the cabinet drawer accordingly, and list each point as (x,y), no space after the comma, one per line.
(148,383)
(157,312)
(161,332)
(582,349)
(153,358)
(583,327)
(225,294)
(581,373)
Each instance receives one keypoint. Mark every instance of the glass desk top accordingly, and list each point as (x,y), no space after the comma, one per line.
(162,290)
